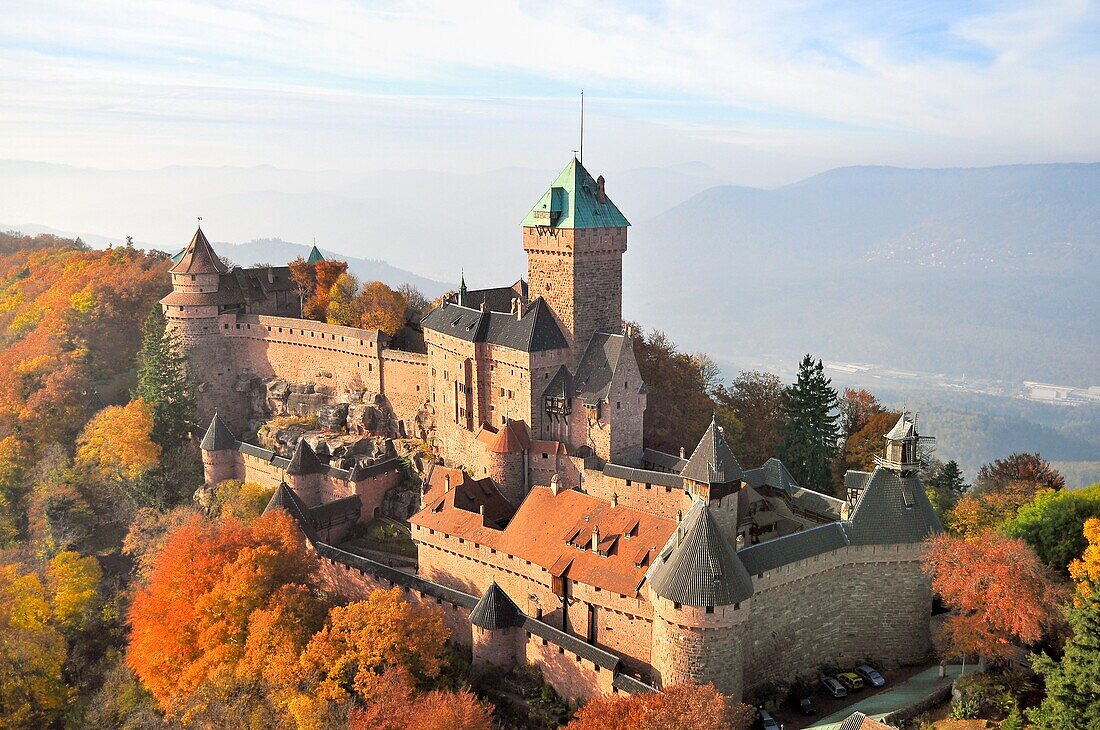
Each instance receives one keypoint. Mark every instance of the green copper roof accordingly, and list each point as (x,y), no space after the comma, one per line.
(314,256)
(575,200)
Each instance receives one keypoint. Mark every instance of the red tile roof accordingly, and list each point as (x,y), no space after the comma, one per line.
(466,496)
(512,438)
(555,532)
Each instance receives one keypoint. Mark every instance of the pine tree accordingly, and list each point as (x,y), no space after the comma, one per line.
(163,383)
(810,425)
(945,486)
(1073,682)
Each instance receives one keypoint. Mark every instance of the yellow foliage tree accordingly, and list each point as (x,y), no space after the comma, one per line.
(344,307)
(74,588)
(1086,571)
(117,443)
(382,308)
(243,500)
(32,653)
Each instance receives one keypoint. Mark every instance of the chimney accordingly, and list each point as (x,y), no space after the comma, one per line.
(555,484)
(270,275)
(446,483)
(484,305)
(519,310)
(614,499)
(601,194)
(481,509)
(683,454)
(630,331)
(595,538)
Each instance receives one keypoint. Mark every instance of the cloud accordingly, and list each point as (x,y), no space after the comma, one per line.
(299,83)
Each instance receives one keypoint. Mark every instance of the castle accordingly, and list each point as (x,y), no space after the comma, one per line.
(549,533)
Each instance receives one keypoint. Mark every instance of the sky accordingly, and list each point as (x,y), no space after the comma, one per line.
(764,93)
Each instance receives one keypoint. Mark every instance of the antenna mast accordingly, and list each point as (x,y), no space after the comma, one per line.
(582,127)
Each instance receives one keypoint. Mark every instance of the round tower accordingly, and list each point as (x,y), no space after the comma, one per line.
(219,453)
(193,306)
(700,594)
(495,622)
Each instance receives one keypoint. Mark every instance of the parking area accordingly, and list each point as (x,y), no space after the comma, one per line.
(903,687)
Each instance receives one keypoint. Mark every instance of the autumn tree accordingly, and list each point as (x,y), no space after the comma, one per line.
(344,306)
(382,308)
(416,304)
(1053,523)
(32,654)
(1029,472)
(856,408)
(810,425)
(861,448)
(755,400)
(680,407)
(15,458)
(315,284)
(163,384)
(73,582)
(394,704)
(1000,594)
(148,533)
(1001,489)
(1085,570)
(360,641)
(679,707)
(59,515)
(191,624)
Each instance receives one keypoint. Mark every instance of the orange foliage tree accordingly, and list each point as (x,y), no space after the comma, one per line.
(382,308)
(314,284)
(679,707)
(360,641)
(393,704)
(193,621)
(1000,594)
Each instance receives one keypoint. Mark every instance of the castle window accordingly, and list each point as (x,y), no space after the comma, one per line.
(676,606)
(192,277)
(226,325)
(710,609)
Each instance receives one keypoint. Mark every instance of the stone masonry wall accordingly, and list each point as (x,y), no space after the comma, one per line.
(856,604)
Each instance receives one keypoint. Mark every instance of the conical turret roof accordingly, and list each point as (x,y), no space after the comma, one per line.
(218,437)
(314,255)
(284,498)
(199,258)
(699,567)
(304,460)
(495,610)
(712,462)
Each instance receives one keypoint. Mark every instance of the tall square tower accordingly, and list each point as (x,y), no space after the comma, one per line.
(575,239)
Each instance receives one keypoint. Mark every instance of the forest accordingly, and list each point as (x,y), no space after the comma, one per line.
(128,603)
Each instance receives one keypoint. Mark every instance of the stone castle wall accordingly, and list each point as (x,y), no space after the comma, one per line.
(855,604)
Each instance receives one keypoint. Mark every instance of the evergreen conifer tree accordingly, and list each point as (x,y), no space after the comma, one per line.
(945,486)
(1073,682)
(163,382)
(810,425)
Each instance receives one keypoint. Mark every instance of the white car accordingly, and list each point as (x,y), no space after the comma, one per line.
(834,687)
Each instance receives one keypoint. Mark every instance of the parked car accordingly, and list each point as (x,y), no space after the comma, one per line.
(851,681)
(765,720)
(833,687)
(870,675)
(806,706)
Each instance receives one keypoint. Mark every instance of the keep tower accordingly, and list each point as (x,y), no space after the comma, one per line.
(575,239)
(193,306)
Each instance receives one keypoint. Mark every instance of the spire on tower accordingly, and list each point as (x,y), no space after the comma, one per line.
(462,289)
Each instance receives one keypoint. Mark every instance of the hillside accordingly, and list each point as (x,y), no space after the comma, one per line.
(987,272)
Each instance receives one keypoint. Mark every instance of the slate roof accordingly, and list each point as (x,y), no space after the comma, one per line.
(199,258)
(329,511)
(285,498)
(856,479)
(892,509)
(305,461)
(712,462)
(699,567)
(237,287)
(663,460)
(496,299)
(788,549)
(596,370)
(535,331)
(560,386)
(774,474)
(496,610)
(575,200)
(218,437)
(314,256)
(643,476)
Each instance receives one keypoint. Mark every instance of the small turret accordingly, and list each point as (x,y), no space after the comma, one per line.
(906,450)
(495,622)
(219,452)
